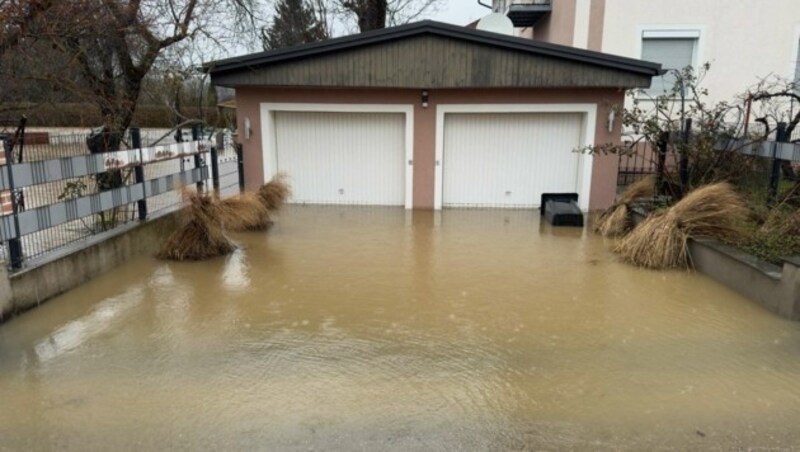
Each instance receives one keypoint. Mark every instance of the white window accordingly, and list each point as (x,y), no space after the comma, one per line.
(674,50)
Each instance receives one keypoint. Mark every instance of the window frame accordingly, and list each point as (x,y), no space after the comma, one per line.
(681,31)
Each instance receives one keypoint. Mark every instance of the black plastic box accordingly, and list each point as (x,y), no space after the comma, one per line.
(561,209)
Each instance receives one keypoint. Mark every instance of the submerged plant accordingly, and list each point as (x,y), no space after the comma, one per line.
(275,192)
(201,236)
(661,241)
(244,212)
(616,220)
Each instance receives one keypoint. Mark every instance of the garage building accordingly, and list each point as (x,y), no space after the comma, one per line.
(431,115)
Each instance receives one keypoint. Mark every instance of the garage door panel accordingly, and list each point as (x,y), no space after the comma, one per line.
(509,159)
(342,158)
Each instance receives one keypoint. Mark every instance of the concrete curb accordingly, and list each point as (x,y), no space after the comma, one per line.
(75,265)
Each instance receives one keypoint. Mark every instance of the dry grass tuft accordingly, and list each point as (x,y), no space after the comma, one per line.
(660,242)
(792,225)
(244,212)
(616,220)
(201,236)
(781,222)
(275,192)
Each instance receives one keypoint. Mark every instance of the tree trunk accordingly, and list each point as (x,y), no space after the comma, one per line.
(371,13)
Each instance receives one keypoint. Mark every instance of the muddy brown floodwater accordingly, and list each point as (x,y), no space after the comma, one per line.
(375,328)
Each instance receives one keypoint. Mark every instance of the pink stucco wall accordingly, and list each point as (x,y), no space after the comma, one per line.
(604,172)
(558,27)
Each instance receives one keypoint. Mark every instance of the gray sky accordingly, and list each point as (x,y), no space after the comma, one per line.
(461,12)
(456,12)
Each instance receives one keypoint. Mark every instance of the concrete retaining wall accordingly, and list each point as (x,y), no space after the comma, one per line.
(5,290)
(72,267)
(773,287)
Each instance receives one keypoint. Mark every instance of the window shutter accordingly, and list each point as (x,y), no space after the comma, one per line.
(673,54)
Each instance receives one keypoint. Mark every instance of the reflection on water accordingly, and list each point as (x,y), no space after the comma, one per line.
(75,333)
(372,328)
(236,274)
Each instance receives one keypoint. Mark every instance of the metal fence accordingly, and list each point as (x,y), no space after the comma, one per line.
(62,194)
(646,158)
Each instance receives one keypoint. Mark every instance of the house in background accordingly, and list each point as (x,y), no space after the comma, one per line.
(5,196)
(431,115)
(744,40)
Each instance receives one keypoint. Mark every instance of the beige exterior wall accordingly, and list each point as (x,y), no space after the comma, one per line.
(743,40)
(604,171)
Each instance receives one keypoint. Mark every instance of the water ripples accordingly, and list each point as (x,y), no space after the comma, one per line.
(381,328)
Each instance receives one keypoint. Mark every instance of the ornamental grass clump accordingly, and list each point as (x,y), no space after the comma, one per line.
(201,236)
(661,241)
(244,212)
(616,220)
(275,192)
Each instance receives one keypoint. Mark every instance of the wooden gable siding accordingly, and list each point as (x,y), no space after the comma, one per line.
(432,62)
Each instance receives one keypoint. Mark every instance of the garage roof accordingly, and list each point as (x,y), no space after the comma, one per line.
(432,55)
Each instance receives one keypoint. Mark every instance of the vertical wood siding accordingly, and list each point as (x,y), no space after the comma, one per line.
(432,62)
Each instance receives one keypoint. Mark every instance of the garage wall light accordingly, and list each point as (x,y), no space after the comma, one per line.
(247,129)
(612,115)
(424,99)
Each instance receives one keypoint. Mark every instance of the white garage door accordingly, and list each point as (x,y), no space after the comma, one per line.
(509,159)
(343,158)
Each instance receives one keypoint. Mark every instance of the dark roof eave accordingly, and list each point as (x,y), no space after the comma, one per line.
(479,36)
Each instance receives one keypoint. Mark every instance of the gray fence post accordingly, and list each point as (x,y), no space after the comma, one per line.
(775,173)
(661,166)
(138,170)
(220,142)
(15,254)
(684,163)
(198,159)
(240,163)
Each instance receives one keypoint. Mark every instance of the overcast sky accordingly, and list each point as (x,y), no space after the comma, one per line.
(457,12)
(461,12)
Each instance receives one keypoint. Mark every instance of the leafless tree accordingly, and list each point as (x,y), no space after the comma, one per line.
(16,17)
(113,45)
(376,14)
(776,100)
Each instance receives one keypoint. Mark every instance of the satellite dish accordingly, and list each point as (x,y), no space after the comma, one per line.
(497,23)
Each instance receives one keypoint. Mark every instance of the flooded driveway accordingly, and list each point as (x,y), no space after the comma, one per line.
(372,328)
